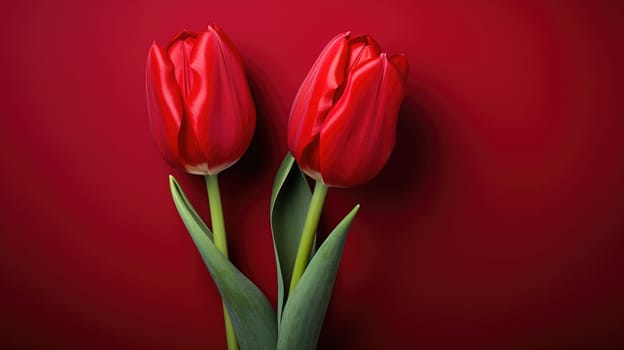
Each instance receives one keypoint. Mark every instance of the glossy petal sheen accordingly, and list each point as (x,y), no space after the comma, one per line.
(220,109)
(199,102)
(179,51)
(314,100)
(359,133)
(164,102)
(348,142)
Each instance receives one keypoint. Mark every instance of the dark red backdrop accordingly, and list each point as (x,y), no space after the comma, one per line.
(498,222)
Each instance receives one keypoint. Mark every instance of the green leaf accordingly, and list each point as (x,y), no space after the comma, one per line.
(289,205)
(305,309)
(252,315)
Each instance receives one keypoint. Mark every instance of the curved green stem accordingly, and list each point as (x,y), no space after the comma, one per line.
(307,234)
(220,241)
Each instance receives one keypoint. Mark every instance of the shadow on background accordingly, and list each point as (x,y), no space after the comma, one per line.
(246,186)
(410,181)
(414,156)
(394,205)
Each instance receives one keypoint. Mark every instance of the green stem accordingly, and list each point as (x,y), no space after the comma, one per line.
(308,233)
(220,241)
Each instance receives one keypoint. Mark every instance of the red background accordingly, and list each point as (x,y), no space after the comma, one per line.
(497,223)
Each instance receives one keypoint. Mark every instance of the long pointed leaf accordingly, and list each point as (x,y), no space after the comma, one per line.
(289,204)
(252,315)
(305,309)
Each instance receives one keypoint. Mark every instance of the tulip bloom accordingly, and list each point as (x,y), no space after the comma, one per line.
(201,111)
(343,121)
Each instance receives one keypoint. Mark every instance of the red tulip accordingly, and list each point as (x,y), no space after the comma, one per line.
(343,121)
(200,107)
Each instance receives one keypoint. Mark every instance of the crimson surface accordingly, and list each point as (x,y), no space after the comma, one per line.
(497,223)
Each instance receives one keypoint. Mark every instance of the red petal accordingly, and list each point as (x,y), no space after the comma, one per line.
(362,49)
(314,100)
(399,62)
(220,109)
(179,50)
(359,133)
(164,102)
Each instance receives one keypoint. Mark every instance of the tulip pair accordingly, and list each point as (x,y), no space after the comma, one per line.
(341,129)
(342,123)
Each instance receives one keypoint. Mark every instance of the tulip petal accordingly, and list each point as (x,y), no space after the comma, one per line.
(219,106)
(192,154)
(362,124)
(400,63)
(362,49)
(164,102)
(314,100)
(179,51)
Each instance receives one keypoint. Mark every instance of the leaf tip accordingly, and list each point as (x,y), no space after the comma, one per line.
(173,184)
(352,214)
(172,181)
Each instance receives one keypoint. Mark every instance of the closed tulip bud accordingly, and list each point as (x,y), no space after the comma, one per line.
(342,124)
(200,107)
